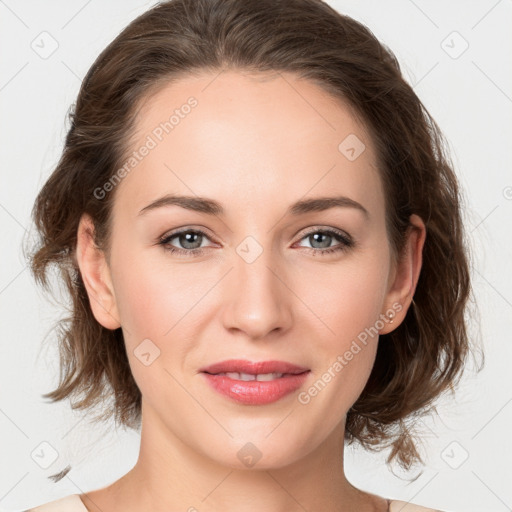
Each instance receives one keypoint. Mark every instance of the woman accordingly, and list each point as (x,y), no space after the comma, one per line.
(262,239)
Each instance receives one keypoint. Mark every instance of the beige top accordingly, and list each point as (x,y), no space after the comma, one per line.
(73,503)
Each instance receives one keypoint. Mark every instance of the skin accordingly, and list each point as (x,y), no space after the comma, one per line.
(256,144)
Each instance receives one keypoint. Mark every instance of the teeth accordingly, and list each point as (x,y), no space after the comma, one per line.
(232,375)
(248,376)
(268,376)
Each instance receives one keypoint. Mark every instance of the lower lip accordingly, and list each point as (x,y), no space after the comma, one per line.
(256,392)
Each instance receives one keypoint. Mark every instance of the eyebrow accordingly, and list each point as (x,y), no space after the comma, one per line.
(212,207)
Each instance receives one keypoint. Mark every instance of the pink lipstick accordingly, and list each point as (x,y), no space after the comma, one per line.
(255,383)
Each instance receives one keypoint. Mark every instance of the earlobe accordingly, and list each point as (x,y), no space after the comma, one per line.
(96,276)
(407,273)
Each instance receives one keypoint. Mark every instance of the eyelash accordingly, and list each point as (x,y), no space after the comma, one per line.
(346,242)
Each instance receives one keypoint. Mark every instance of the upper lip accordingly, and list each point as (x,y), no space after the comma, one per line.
(253,368)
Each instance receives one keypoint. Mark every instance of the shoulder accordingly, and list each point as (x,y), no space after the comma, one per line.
(404,506)
(71,503)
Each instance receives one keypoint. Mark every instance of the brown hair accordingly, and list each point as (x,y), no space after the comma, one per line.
(415,363)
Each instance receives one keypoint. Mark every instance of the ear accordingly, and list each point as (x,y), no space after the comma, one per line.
(96,276)
(405,276)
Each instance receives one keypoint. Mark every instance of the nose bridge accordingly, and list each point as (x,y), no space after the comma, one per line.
(256,301)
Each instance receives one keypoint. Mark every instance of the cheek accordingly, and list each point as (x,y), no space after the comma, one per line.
(152,294)
(348,299)
(161,302)
(153,302)
(149,300)
(142,303)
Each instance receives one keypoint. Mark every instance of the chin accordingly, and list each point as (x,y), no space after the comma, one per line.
(258,452)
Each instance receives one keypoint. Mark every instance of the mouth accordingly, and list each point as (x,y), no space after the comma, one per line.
(247,377)
(255,383)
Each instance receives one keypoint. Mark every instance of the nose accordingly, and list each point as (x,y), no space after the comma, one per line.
(257,300)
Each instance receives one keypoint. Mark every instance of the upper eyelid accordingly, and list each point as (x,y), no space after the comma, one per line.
(187,229)
(326,230)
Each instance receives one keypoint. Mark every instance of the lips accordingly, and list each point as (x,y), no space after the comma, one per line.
(255,383)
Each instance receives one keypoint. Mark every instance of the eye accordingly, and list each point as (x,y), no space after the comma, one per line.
(189,239)
(321,239)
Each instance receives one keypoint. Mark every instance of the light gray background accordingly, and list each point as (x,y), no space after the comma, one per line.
(470,96)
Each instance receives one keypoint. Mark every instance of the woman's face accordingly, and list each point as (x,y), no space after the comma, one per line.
(265,281)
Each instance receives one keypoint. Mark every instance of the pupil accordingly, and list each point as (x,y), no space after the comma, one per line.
(187,237)
(320,235)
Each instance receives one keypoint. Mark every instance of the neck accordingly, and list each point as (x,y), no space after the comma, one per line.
(170,475)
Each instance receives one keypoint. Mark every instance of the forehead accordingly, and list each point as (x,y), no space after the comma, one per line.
(248,139)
